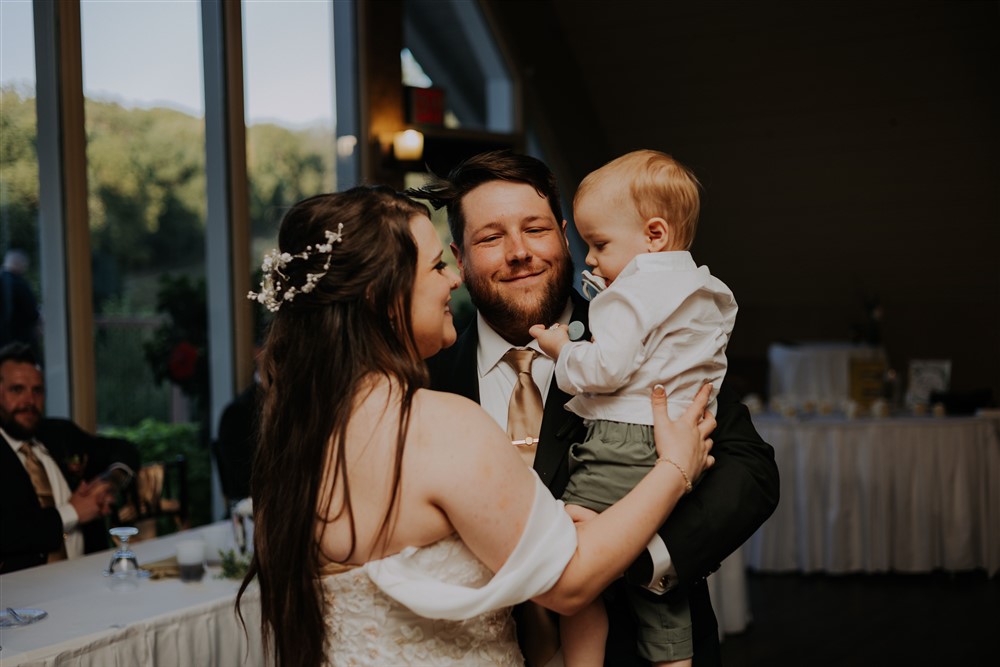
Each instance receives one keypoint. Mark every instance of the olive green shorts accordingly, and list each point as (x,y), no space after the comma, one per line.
(612,459)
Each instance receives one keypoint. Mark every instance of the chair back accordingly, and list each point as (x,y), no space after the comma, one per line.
(160,490)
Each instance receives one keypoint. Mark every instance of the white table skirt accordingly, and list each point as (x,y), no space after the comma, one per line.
(165,623)
(879,495)
(727,588)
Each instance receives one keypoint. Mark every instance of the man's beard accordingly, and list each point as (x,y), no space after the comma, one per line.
(511,319)
(14,429)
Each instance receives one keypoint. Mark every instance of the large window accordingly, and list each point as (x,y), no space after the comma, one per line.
(290,110)
(146,203)
(18,173)
(153,198)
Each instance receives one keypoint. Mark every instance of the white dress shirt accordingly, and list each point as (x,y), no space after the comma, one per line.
(663,320)
(60,493)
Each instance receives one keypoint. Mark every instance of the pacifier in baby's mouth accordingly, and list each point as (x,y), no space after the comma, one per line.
(591,285)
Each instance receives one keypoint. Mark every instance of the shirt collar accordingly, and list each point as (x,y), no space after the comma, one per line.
(17,444)
(671,260)
(492,346)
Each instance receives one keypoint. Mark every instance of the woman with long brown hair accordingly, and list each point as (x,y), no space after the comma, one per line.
(393,524)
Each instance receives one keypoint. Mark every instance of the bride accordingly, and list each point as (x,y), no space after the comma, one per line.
(395,525)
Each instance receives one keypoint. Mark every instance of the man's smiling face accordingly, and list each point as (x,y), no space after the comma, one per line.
(514,258)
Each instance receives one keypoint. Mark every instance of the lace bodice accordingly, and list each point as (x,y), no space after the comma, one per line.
(366,627)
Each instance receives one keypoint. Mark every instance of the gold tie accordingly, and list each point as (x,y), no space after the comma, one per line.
(524,414)
(537,629)
(40,480)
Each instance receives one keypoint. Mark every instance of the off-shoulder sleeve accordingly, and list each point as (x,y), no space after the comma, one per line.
(546,546)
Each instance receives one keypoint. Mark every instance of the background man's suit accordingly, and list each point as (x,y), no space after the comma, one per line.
(29,532)
(741,488)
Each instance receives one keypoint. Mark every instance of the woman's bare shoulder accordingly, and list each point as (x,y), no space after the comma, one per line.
(448,417)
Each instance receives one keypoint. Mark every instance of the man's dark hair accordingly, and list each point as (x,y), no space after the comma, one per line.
(501,165)
(19,352)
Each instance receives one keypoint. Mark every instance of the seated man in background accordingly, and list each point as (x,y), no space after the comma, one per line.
(51,504)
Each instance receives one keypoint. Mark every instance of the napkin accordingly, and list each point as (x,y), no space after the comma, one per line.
(163,569)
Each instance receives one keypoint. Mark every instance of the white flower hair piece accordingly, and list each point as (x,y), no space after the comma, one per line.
(273,267)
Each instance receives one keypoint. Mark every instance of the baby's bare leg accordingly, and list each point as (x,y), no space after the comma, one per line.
(686,662)
(583,636)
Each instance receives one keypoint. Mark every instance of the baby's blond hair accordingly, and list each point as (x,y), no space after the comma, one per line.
(659,186)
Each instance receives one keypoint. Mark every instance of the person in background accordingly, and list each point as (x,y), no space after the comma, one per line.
(659,318)
(508,235)
(237,440)
(52,503)
(19,317)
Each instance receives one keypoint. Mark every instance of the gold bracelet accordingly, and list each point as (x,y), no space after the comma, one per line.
(687,480)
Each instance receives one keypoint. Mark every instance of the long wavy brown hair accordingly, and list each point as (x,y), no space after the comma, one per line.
(321,347)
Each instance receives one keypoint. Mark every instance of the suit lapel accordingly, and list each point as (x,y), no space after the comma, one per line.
(455,369)
(16,480)
(467,364)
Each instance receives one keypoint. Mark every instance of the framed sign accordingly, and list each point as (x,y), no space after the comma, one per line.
(927,375)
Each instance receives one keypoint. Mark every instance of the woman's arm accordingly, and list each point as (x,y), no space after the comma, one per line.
(478,480)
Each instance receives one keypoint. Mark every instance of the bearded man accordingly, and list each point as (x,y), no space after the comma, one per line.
(509,239)
(48,509)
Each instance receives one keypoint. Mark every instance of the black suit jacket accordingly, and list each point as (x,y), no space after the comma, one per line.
(237,442)
(28,532)
(729,503)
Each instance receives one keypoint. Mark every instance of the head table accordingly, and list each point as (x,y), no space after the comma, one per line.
(903,494)
(160,622)
(168,623)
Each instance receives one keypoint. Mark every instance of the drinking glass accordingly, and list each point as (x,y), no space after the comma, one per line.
(124,571)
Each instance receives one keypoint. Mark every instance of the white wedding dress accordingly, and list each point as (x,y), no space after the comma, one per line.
(438,605)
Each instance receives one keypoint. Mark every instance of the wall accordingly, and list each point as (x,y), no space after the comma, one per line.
(847,150)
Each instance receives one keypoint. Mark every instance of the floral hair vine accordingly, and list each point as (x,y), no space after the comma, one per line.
(275,262)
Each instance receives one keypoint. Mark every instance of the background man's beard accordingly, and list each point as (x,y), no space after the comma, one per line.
(511,319)
(14,429)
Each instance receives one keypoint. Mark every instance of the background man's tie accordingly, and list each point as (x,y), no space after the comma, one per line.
(40,480)
(537,631)
(524,414)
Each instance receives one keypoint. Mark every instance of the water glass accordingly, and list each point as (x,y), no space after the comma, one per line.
(191,560)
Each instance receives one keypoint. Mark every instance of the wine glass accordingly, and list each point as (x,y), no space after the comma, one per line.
(124,571)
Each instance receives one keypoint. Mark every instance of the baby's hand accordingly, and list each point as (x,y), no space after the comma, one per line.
(579,513)
(551,340)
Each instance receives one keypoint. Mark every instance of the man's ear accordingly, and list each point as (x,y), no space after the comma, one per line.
(456,252)
(565,235)
(657,232)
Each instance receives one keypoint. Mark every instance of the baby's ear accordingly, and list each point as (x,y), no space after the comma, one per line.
(657,234)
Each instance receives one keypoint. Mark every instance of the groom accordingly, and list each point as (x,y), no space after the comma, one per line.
(509,239)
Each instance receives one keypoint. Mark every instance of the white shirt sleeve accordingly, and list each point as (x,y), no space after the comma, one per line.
(664,574)
(620,326)
(70,519)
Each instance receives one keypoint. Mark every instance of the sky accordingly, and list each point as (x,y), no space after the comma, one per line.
(146,53)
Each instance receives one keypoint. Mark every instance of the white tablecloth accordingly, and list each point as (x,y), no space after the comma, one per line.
(877,495)
(727,588)
(815,371)
(163,623)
